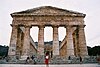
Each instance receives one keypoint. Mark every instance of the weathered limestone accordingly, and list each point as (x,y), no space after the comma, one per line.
(82,42)
(26,44)
(74,43)
(55,41)
(19,45)
(13,42)
(70,45)
(41,40)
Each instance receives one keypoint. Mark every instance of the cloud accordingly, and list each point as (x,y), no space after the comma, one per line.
(90,7)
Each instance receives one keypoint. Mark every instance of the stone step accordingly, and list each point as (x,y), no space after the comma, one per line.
(57,60)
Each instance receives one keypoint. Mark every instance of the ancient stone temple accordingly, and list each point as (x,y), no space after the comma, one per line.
(22,44)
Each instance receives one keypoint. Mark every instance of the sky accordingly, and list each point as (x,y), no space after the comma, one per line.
(89,7)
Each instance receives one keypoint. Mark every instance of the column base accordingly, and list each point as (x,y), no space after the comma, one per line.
(12,59)
(24,57)
(85,56)
(69,57)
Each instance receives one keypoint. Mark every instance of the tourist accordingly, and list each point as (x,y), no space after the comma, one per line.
(69,58)
(98,59)
(33,59)
(47,60)
(80,59)
(27,60)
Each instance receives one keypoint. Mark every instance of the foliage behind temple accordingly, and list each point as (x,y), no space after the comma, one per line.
(92,51)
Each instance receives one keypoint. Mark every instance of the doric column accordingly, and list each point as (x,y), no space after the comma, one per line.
(82,42)
(76,43)
(18,46)
(26,43)
(70,46)
(13,42)
(41,40)
(55,41)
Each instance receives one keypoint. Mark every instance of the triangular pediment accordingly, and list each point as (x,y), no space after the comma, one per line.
(48,10)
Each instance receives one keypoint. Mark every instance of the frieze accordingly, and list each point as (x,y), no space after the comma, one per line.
(49,18)
(48,21)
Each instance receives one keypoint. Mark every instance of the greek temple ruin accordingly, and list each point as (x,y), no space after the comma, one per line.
(22,45)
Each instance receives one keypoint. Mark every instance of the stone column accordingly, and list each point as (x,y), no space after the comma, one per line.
(70,46)
(18,46)
(82,42)
(41,40)
(76,43)
(26,43)
(55,41)
(13,43)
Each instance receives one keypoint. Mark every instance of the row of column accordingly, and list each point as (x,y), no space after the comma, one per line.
(81,41)
(41,41)
(26,44)
(14,40)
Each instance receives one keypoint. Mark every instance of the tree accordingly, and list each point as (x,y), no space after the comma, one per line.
(94,51)
(3,51)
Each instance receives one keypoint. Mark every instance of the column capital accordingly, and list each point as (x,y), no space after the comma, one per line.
(14,25)
(81,26)
(41,26)
(27,26)
(68,26)
(55,26)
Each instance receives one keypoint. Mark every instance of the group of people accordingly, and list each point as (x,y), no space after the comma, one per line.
(31,60)
(80,59)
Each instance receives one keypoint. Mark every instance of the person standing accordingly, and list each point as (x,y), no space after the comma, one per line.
(47,60)
(80,60)
(98,60)
(27,60)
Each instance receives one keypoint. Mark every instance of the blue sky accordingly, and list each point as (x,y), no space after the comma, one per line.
(90,7)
